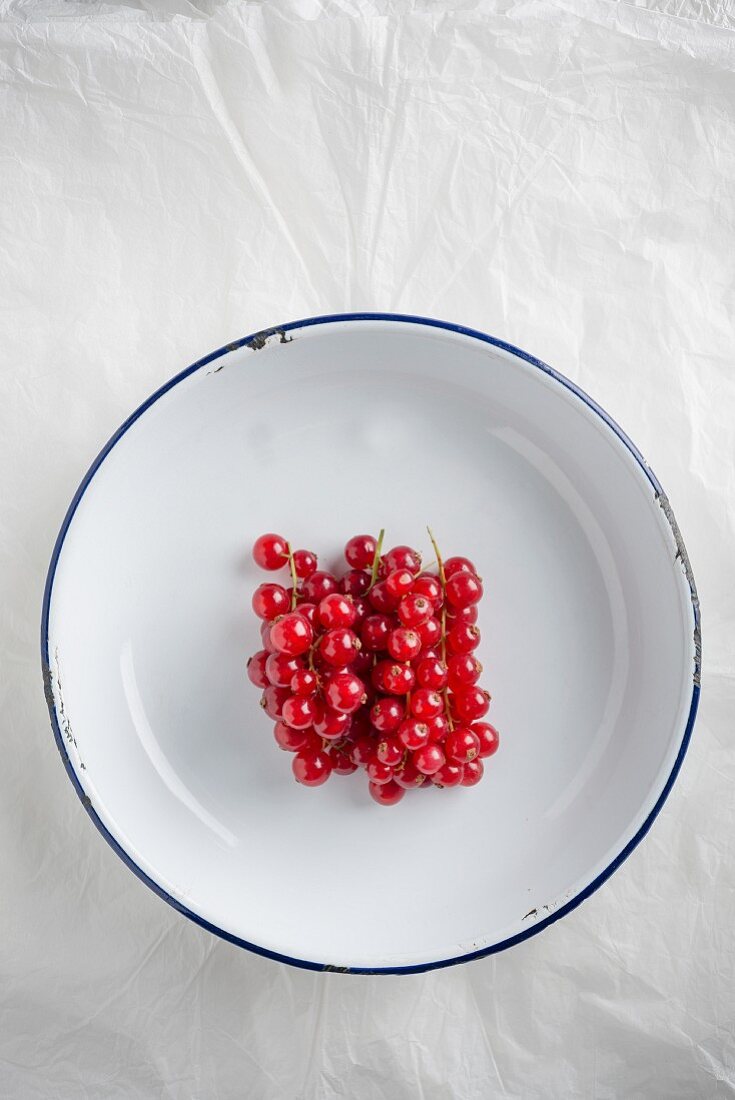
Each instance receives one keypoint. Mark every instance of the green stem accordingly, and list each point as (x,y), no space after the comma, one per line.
(376,558)
(294,578)
(443,579)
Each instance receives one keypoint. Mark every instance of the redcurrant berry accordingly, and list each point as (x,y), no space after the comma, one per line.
(428,759)
(342,764)
(402,557)
(438,727)
(270,551)
(463,638)
(312,768)
(304,563)
(426,703)
(489,738)
(336,610)
(463,670)
(462,615)
(463,590)
(448,775)
(431,672)
(331,724)
(413,734)
(387,713)
(407,775)
(393,678)
(429,586)
(471,703)
(292,634)
(362,663)
(339,647)
(399,583)
(472,773)
(453,566)
(280,669)
(318,585)
(265,637)
(355,583)
(430,633)
(390,751)
(273,699)
(308,610)
(462,745)
(381,599)
(414,610)
(363,749)
(374,632)
(360,551)
(270,600)
(404,644)
(304,682)
(362,609)
(378,772)
(386,794)
(344,692)
(291,740)
(256,669)
(298,712)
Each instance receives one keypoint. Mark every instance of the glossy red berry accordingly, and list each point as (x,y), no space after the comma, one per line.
(342,764)
(362,609)
(319,585)
(438,727)
(402,557)
(462,745)
(331,724)
(393,678)
(431,672)
(292,634)
(430,633)
(291,740)
(336,610)
(426,703)
(256,669)
(339,647)
(308,610)
(378,772)
(280,669)
(472,773)
(464,590)
(381,599)
(415,610)
(270,551)
(362,664)
(404,644)
(386,794)
(269,601)
(452,566)
(471,703)
(360,551)
(312,768)
(462,615)
(428,759)
(448,775)
(304,682)
(488,736)
(413,734)
(463,670)
(407,775)
(399,583)
(374,632)
(305,563)
(299,712)
(463,638)
(344,692)
(429,586)
(387,713)
(390,750)
(272,701)
(265,637)
(355,583)
(363,749)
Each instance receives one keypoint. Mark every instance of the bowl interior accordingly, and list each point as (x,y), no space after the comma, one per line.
(343,428)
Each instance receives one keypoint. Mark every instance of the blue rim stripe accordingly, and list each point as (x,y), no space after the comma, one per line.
(261,336)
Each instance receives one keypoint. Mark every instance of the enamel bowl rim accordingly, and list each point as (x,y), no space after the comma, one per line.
(257,340)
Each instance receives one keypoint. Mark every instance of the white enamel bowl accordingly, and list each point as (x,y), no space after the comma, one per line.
(331,427)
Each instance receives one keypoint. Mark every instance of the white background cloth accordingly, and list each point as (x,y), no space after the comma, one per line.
(177,174)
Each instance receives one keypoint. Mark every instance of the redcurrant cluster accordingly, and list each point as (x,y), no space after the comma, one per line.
(375,669)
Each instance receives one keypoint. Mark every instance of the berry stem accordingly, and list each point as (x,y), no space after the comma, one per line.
(376,559)
(443,579)
(294,578)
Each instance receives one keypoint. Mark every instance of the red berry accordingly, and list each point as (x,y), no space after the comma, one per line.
(413,734)
(374,632)
(280,669)
(428,759)
(404,644)
(462,615)
(378,772)
(402,557)
(299,712)
(453,566)
(256,669)
(471,703)
(448,775)
(270,551)
(430,654)
(414,610)
(363,749)
(390,750)
(438,727)
(273,699)
(463,670)
(344,692)
(318,585)
(386,794)
(429,586)
(336,610)
(462,745)
(291,740)
(362,663)
(331,724)
(399,583)
(270,600)
(308,610)
(265,637)
(355,583)
(463,638)
(408,775)
(430,633)
(488,736)
(431,672)
(342,764)
(304,682)
(426,703)
(292,634)
(312,768)
(472,773)
(387,713)
(360,551)
(361,609)
(381,599)
(393,678)
(304,563)
(339,647)
(464,589)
